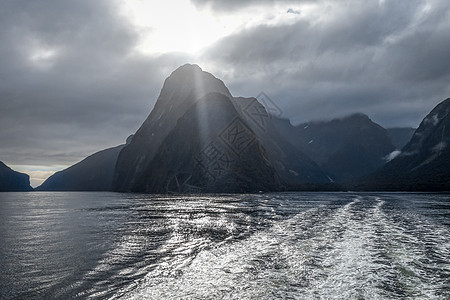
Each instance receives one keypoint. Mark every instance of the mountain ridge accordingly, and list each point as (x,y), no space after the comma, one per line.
(345,148)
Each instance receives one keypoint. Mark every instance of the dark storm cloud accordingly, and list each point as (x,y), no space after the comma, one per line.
(70,83)
(387,59)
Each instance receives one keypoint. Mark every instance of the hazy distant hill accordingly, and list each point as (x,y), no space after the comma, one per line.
(424,163)
(199,138)
(400,136)
(94,173)
(13,181)
(346,148)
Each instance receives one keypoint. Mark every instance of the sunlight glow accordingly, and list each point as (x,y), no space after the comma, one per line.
(179,26)
(38,174)
(173,26)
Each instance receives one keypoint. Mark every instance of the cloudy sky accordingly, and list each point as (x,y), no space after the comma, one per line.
(80,76)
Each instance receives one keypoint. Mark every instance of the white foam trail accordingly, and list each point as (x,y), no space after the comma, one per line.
(357,251)
(414,248)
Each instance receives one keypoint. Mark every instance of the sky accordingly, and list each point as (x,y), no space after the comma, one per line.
(80,76)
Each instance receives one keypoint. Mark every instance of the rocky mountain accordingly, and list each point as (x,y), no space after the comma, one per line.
(345,148)
(13,181)
(293,166)
(424,163)
(180,91)
(400,136)
(94,173)
(214,152)
(199,138)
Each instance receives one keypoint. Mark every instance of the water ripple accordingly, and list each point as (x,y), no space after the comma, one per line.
(271,246)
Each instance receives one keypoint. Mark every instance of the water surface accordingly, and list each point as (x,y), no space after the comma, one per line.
(287,246)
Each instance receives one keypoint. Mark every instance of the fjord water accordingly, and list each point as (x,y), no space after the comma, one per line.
(270,246)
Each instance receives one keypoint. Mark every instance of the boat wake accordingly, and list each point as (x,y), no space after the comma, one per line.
(362,249)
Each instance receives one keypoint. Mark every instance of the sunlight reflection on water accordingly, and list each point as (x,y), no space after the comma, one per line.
(293,245)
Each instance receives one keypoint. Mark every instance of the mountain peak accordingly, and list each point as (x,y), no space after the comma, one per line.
(182,89)
(192,73)
(190,81)
(198,137)
(358,116)
(354,117)
(188,68)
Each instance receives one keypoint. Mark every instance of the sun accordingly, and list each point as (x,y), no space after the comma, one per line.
(174,26)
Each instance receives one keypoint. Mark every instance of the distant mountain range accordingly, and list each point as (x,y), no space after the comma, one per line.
(13,181)
(199,138)
(345,148)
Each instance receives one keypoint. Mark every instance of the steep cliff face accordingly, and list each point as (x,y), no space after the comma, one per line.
(181,90)
(424,163)
(13,181)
